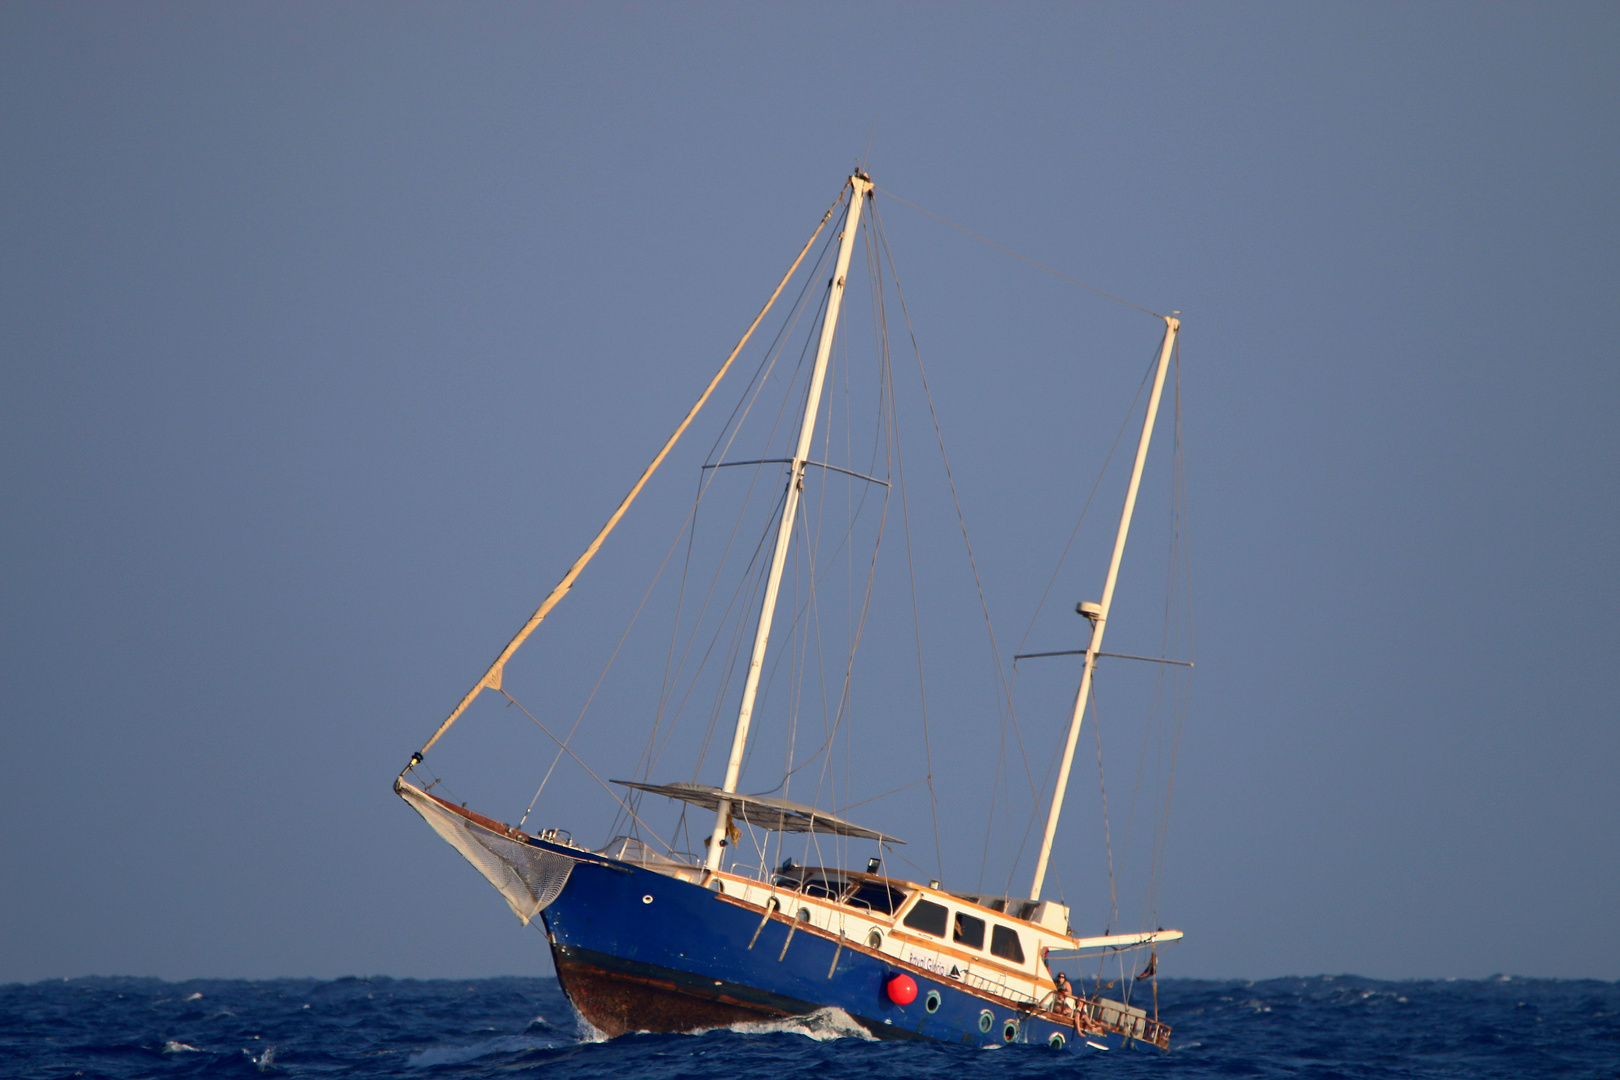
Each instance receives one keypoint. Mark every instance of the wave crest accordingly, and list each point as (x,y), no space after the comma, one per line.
(823,1025)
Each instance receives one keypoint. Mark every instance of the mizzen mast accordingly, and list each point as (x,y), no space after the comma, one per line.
(1098,613)
(860,189)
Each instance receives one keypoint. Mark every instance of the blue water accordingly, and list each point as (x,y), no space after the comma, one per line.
(122,1029)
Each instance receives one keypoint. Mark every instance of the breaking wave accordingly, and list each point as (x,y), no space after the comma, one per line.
(822,1025)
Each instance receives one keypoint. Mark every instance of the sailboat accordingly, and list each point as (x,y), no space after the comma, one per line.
(645,940)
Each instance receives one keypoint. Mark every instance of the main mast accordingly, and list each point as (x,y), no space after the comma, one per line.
(1098,613)
(860,189)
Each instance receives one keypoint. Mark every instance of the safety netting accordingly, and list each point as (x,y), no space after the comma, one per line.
(528,877)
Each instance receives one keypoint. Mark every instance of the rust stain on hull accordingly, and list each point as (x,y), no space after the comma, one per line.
(618,1003)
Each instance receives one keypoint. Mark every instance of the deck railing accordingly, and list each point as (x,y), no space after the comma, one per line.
(997,986)
(1126,1020)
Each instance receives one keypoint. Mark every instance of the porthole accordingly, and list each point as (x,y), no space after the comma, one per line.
(874,939)
(647,899)
(931,1002)
(804,914)
(987,1021)
(1009,1031)
(773,904)
(1056,1041)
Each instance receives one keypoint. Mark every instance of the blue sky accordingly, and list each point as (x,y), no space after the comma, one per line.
(332,334)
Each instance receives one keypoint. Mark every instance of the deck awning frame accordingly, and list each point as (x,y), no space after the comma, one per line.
(763,811)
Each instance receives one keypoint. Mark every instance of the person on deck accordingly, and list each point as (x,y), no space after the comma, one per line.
(1061,994)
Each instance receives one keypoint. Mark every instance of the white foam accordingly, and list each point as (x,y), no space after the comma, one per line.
(195,996)
(587,1031)
(174,1046)
(822,1025)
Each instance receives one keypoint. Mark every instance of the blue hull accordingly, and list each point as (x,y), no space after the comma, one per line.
(636,950)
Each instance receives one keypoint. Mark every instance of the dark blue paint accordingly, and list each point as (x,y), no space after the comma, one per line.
(690,930)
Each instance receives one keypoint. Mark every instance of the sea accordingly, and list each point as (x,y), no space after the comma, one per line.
(1325,1026)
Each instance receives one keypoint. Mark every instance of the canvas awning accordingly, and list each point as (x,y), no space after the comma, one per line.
(763,811)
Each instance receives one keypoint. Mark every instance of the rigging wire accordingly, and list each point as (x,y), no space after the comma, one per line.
(1024,258)
(1045,593)
(746,399)
(1163,681)
(745,404)
(857,630)
(648,755)
(892,791)
(1108,840)
(1179,489)
(512,700)
(1166,680)
(749,580)
(961,520)
(849,669)
(492,676)
(880,331)
(749,395)
(796,661)
(802,616)
(563,746)
(808,617)
(1097,483)
(911,572)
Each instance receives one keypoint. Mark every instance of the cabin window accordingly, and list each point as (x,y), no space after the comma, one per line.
(927,917)
(824,888)
(969,931)
(879,898)
(1004,943)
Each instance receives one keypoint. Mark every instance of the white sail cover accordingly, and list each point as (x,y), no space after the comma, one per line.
(528,877)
